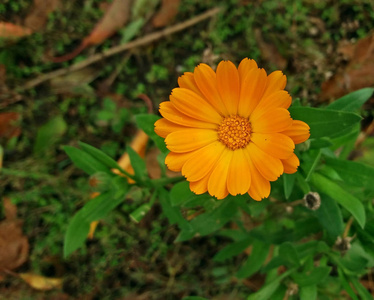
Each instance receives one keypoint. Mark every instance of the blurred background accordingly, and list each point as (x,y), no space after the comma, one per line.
(81,70)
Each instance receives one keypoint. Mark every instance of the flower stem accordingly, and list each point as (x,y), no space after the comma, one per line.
(164,181)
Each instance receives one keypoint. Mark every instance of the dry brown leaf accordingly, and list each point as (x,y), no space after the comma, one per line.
(359,73)
(9,30)
(114,18)
(14,246)
(69,82)
(138,144)
(8,125)
(153,166)
(41,283)
(10,210)
(166,14)
(270,52)
(93,226)
(38,15)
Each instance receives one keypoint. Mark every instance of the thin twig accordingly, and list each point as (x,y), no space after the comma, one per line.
(347,227)
(120,48)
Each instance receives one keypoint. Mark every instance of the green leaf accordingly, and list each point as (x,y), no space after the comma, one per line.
(146,123)
(349,202)
(304,186)
(194,298)
(211,221)
(85,161)
(49,133)
(232,249)
(325,122)
(355,260)
(256,259)
(140,212)
(313,277)
(310,162)
(99,155)
(330,216)
(346,285)
(181,195)
(320,143)
(362,291)
(353,101)
(76,234)
(94,210)
(308,292)
(288,252)
(346,142)
(131,30)
(137,163)
(173,213)
(268,290)
(353,173)
(288,184)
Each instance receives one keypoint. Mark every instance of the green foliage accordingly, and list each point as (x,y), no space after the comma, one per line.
(94,210)
(242,238)
(325,122)
(49,134)
(279,240)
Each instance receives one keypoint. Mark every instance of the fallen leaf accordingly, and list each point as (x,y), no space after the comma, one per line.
(115,18)
(269,51)
(10,30)
(14,246)
(138,144)
(358,73)
(38,15)
(41,283)
(10,210)
(153,166)
(167,12)
(8,125)
(70,82)
(1,156)
(93,224)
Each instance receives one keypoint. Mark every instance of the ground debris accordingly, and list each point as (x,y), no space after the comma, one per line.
(14,246)
(358,73)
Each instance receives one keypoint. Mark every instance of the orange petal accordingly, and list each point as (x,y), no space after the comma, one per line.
(169,112)
(239,175)
(251,91)
(205,79)
(298,132)
(217,184)
(279,99)
(163,127)
(228,85)
(187,81)
(202,161)
(275,144)
(269,166)
(191,104)
(175,161)
(276,81)
(201,186)
(290,164)
(244,67)
(275,120)
(260,187)
(190,139)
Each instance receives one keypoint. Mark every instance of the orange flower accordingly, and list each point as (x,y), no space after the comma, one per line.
(229,131)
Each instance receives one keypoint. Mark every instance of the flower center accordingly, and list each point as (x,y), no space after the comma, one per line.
(235,132)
